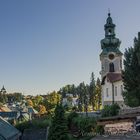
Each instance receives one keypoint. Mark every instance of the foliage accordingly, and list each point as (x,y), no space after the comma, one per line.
(58,129)
(98,95)
(37,100)
(82,90)
(11,97)
(53,98)
(88,95)
(131,74)
(110,110)
(29,102)
(92,91)
(99,129)
(34,124)
(68,89)
(3,98)
(71,116)
(42,109)
(83,124)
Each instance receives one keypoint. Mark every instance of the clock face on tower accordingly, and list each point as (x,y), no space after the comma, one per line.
(111,56)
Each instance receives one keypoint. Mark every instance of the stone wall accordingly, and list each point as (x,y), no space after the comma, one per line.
(130,111)
(118,128)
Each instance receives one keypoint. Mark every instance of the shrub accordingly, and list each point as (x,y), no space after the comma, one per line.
(99,129)
(83,124)
(111,110)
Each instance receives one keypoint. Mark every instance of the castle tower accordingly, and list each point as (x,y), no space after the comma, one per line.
(111,65)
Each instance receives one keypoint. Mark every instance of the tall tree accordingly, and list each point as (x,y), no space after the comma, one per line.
(59,129)
(131,74)
(98,94)
(92,91)
(86,98)
(81,93)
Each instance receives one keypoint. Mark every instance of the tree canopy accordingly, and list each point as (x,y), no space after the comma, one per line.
(131,74)
(59,128)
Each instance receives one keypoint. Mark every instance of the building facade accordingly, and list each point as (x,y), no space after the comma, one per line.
(111,66)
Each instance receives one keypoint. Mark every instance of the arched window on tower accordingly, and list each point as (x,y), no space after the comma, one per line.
(111,67)
(109,32)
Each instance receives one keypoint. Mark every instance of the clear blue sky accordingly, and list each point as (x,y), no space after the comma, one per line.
(46,44)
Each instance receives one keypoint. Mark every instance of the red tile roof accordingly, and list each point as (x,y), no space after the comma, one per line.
(112,77)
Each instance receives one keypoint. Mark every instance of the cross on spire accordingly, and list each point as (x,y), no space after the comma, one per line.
(109,12)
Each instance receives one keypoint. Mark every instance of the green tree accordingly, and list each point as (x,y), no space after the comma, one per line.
(1,98)
(80,90)
(37,100)
(110,110)
(29,102)
(131,74)
(98,94)
(14,97)
(42,109)
(92,91)
(54,98)
(68,89)
(85,98)
(59,129)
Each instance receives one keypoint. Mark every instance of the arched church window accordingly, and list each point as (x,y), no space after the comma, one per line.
(109,30)
(111,67)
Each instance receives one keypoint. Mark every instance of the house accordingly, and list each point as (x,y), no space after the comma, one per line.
(4,108)
(70,100)
(7,131)
(24,116)
(9,115)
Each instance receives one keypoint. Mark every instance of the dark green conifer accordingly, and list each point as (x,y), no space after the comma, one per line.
(59,129)
(131,74)
(92,91)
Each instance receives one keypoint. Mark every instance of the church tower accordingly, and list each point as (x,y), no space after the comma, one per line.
(111,65)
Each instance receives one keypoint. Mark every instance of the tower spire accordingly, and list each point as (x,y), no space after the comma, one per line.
(110,40)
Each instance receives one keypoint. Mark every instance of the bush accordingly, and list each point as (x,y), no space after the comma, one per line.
(111,110)
(34,124)
(99,129)
(83,124)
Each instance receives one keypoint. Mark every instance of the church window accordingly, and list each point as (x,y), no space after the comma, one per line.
(109,30)
(107,92)
(111,67)
(115,91)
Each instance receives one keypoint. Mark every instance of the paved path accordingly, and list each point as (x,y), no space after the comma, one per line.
(116,138)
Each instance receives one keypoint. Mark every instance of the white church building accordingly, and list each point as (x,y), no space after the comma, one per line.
(111,66)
